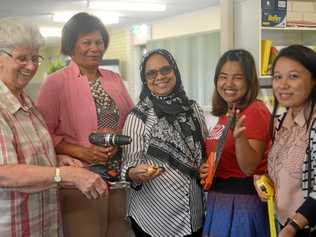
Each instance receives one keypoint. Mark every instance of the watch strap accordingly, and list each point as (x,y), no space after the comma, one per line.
(293,223)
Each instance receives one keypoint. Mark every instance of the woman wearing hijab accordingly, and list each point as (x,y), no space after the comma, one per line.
(162,161)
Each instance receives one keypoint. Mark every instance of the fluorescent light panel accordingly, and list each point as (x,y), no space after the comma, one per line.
(127,6)
(106,17)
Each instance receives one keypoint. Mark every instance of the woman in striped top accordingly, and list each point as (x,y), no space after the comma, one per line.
(162,162)
(294,86)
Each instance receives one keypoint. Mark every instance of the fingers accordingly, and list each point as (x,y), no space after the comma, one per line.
(144,172)
(96,190)
(89,183)
(203,170)
(109,130)
(102,189)
(77,163)
(262,197)
(240,121)
(239,127)
(69,161)
(158,171)
(91,193)
(138,174)
(99,154)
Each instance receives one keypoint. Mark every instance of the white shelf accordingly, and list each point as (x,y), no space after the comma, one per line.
(289,28)
(265,77)
(265,81)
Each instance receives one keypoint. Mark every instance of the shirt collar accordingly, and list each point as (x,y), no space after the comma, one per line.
(76,70)
(299,119)
(11,103)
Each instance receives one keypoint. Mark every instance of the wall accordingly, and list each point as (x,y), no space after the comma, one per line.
(196,56)
(49,53)
(199,21)
(206,20)
(118,49)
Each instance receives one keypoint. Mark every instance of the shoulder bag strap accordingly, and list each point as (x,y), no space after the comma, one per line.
(309,158)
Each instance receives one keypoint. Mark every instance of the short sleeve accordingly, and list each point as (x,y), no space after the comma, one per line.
(257,121)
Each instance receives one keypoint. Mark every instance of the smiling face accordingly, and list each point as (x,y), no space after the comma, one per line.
(292,83)
(17,69)
(89,50)
(231,83)
(164,82)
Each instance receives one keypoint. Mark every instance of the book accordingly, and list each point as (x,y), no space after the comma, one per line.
(273,13)
(273,53)
(265,56)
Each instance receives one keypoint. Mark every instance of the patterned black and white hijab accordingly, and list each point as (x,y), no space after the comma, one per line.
(177,137)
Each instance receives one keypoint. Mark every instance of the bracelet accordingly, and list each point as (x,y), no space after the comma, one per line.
(293,223)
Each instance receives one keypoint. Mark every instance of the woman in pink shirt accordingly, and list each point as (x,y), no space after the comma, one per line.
(77,100)
(294,86)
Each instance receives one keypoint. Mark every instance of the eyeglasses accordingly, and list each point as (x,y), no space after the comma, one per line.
(24,59)
(164,71)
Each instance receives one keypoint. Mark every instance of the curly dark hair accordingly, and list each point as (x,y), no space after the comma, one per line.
(81,23)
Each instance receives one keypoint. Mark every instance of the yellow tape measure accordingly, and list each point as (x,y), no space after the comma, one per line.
(266,189)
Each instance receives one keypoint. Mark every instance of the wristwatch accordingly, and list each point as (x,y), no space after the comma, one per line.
(293,223)
(57,177)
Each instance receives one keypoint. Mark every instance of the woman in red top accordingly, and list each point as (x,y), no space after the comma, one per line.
(233,207)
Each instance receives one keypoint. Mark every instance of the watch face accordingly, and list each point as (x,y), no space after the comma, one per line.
(57,179)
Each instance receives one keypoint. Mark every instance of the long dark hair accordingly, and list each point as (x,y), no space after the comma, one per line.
(247,64)
(307,58)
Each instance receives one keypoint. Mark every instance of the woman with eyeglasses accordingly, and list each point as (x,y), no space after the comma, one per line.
(29,170)
(168,131)
(76,101)
(233,206)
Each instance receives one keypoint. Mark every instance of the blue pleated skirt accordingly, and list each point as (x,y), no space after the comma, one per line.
(235,215)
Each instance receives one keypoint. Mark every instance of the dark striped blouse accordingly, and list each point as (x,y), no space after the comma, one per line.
(171,204)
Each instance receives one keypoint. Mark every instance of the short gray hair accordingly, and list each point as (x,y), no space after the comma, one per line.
(14,32)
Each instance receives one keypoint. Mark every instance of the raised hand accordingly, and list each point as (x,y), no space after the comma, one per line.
(239,127)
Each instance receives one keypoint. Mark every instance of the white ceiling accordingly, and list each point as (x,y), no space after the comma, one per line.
(40,11)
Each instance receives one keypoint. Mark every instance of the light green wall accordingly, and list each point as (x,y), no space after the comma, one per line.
(49,53)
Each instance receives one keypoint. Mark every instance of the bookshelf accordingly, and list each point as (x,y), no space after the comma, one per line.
(248,32)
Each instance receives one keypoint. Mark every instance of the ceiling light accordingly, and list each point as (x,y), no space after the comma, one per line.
(127,6)
(50,31)
(106,17)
